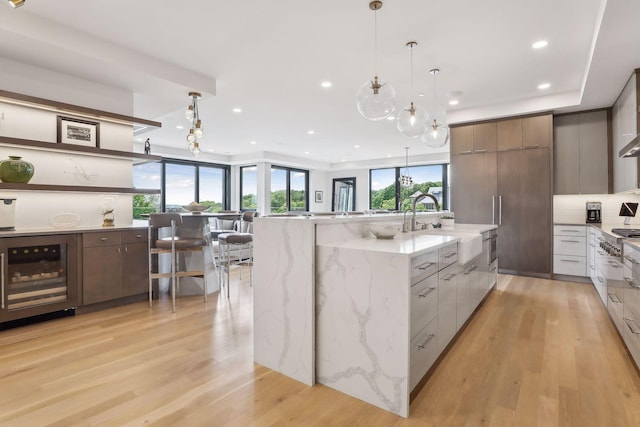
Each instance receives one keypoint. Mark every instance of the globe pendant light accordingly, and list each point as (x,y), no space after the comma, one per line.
(412,120)
(375,100)
(437,133)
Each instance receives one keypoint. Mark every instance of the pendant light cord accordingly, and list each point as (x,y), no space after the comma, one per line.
(375,42)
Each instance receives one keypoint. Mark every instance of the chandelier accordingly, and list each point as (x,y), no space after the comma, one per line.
(405,179)
(193,115)
(375,99)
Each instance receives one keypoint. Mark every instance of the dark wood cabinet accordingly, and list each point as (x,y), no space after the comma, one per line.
(474,188)
(511,188)
(477,138)
(114,265)
(509,134)
(524,211)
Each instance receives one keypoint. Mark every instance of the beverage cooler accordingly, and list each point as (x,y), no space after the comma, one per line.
(38,275)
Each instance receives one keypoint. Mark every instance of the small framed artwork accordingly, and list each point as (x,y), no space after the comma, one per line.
(78,132)
(318,196)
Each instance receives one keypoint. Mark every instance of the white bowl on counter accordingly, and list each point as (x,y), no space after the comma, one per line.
(385,230)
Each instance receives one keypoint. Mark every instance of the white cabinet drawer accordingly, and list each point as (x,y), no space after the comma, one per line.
(447,294)
(631,257)
(571,265)
(423,352)
(570,245)
(448,255)
(570,230)
(424,303)
(423,266)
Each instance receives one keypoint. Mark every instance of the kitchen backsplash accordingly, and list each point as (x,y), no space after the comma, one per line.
(572,209)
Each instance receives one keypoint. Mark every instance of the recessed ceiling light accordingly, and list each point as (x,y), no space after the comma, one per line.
(253,143)
(388,155)
(540,44)
(454,102)
(391,118)
(237,110)
(326,84)
(179,127)
(421,94)
(343,160)
(311,132)
(543,86)
(356,146)
(210,150)
(306,152)
(139,139)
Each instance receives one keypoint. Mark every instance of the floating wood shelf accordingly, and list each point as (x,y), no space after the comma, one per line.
(78,149)
(76,188)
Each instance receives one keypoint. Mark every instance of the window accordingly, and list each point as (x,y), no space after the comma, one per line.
(248,188)
(182,182)
(289,189)
(386,192)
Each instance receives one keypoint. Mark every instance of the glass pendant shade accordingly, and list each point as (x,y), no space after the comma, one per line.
(437,134)
(412,121)
(189,113)
(192,136)
(196,149)
(198,131)
(375,100)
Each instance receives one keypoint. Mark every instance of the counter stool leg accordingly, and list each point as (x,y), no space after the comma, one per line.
(228,269)
(204,274)
(173,281)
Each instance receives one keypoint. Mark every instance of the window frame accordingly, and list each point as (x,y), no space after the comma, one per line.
(288,171)
(398,188)
(241,187)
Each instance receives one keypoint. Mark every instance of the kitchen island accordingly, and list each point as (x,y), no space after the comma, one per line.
(333,304)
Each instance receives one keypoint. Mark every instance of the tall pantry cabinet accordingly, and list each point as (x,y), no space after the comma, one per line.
(505,179)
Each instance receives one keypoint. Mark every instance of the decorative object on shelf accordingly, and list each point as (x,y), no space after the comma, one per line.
(437,133)
(107,209)
(16,170)
(196,208)
(385,230)
(412,120)
(65,220)
(318,197)
(16,3)
(81,174)
(405,179)
(147,147)
(375,100)
(78,132)
(193,115)
(7,214)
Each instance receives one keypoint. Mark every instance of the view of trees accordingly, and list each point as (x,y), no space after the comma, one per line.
(150,203)
(249,201)
(386,197)
(279,201)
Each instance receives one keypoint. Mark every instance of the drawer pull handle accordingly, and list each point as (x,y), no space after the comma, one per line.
(630,282)
(513,148)
(449,255)
(493,268)
(138,236)
(104,239)
(449,277)
(528,147)
(600,279)
(633,261)
(570,241)
(614,264)
(571,231)
(614,298)
(424,295)
(466,152)
(592,245)
(425,266)
(631,328)
(426,342)
(483,150)
(570,260)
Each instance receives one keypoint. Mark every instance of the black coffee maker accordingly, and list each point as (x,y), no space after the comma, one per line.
(594,210)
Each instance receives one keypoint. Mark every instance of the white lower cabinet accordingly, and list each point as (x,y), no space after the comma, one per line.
(630,286)
(570,250)
(424,351)
(447,290)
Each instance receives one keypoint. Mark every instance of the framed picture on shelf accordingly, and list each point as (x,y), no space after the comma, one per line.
(78,132)
(318,197)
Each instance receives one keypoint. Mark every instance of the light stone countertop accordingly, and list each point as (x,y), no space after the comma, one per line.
(403,243)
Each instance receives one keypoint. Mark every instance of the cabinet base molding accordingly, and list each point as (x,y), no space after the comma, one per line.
(110,304)
(575,279)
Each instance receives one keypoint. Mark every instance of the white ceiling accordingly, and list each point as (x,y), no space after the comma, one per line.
(269,59)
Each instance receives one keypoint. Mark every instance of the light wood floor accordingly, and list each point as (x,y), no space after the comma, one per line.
(537,353)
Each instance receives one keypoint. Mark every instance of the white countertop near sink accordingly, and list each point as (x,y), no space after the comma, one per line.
(413,243)
(470,244)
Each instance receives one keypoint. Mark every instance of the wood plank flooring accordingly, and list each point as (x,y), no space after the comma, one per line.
(536,353)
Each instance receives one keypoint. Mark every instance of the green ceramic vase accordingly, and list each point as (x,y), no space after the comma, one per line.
(16,170)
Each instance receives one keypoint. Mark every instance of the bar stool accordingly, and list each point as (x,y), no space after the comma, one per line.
(237,241)
(174,245)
